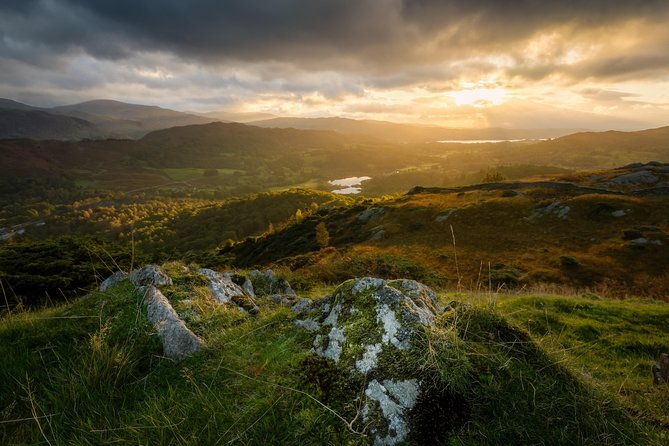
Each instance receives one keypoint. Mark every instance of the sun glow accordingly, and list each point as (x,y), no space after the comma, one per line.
(479,97)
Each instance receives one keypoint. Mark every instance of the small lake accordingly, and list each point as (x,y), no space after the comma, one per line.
(349,186)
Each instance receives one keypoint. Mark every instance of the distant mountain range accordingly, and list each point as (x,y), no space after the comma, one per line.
(103,119)
(99,119)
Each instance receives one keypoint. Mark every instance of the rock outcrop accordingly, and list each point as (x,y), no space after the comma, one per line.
(113,280)
(368,328)
(150,275)
(635,178)
(226,290)
(178,341)
(266,283)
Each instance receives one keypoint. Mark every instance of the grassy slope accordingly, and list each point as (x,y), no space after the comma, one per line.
(499,238)
(90,372)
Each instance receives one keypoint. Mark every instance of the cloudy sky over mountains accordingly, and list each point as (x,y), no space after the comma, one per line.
(454,63)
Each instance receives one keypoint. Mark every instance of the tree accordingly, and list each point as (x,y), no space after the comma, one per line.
(322,235)
(493,176)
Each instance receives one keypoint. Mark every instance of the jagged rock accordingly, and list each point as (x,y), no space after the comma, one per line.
(266,283)
(150,275)
(661,370)
(368,327)
(178,341)
(113,280)
(302,305)
(225,290)
(222,286)
(248,287)
(371,214)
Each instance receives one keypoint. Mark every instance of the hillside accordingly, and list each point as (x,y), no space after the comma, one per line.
(610,232)
(526,314)
(231,159)
(130,120)
(104,370)
(38,124)
(97,119)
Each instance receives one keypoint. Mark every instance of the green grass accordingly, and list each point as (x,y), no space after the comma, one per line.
(92,373)
(528,370)
(611,343)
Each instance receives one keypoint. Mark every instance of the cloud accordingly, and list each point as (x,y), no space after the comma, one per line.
(348,35)
(606,95)
(348,52)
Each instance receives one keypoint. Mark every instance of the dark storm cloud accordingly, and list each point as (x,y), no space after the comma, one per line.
(342,34)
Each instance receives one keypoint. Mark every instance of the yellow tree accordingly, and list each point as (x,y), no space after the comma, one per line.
(322,235)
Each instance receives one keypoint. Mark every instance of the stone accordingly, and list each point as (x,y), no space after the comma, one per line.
(556,208)
(377,233)
(150,275)
(178,341)
(113,280)
(371,214)
(309,324)
(225,290)
(266,283)
(661,370)
(394,400)
(302,305)
(635,178)
(221,286)
(368,327)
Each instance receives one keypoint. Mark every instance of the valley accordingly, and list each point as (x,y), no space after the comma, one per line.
(547,260)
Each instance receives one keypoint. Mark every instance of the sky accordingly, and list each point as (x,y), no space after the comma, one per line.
(458,63)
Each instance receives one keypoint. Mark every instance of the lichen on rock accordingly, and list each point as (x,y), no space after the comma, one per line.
(367,328)
(177,339)
(113,280)
(226,290)
(266,283)
(150,275)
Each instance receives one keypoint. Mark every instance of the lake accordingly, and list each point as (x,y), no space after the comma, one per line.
(349,186)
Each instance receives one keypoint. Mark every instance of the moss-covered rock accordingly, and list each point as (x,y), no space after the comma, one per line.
(369,329)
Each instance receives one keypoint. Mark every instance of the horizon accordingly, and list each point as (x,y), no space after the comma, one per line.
(453,64)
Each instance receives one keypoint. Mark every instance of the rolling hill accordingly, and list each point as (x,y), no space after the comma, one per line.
(97,119)
(242,158)
(38,124)
(130,120)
